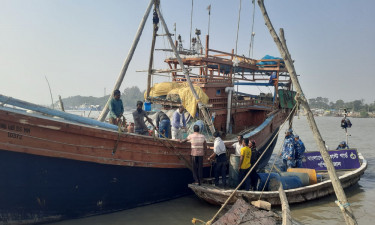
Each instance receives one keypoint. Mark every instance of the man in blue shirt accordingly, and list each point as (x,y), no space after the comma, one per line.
(163,124)
(299,151)
(178,117)
(287,153)
(116,108)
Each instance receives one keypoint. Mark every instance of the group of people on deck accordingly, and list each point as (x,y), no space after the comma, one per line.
(292,151)
(163,123)
(249,154)
(244,148)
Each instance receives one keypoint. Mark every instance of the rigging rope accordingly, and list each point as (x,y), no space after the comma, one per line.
(238,24)
(251,48)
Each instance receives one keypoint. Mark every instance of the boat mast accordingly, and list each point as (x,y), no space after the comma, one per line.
(155,21)
(121,76)
(202,108)
(281,44)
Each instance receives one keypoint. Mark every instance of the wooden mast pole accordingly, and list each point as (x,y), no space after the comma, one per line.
(340,194)
(155,26)
(121,76)
(200,105)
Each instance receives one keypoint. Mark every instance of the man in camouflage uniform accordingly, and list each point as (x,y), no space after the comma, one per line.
(299,151)
(287,153)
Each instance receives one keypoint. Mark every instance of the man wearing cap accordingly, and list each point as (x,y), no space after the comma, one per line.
(116,108)
(287,153)
(342,145)
(299,151)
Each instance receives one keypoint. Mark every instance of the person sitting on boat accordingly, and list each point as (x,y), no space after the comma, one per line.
(287,153)
(163,124)
(238,145)
(299,151)
(255,154)
(116,108)
(198,146)
(342,145)
(178,117)
(245,163)
(139,116)
(220,153)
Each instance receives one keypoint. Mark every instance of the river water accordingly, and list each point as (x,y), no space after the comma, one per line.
(322,211)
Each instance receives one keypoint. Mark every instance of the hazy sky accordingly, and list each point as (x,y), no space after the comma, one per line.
(80,45)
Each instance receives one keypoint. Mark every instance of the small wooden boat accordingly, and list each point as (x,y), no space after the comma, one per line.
(217,196)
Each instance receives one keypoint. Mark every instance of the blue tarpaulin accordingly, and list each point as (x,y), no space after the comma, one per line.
(269,62)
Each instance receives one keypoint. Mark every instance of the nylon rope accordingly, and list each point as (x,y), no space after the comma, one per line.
(238,24)
(251,169)
(251,48)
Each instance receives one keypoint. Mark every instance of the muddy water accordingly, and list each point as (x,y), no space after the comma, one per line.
(319,212)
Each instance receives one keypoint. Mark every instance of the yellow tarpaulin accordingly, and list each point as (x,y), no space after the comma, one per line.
(187,98)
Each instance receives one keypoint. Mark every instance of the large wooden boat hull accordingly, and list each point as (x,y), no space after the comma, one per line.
(52,169)
(218,196)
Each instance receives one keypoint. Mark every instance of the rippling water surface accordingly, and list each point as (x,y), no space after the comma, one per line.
(321,211)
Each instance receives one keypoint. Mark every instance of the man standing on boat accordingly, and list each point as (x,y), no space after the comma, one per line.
(299,151)
(287,153)
(342,145)
(238,145)
(178,118)
(116,108)
(255,154)
(198,145)
(163,124)
(221,159)
(139,116)
(245,163)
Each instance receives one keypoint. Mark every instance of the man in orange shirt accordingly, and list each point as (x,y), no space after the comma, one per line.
(198,145)
(245,164)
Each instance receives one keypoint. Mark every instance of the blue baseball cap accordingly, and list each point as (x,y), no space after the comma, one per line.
(343,143)
(296,136)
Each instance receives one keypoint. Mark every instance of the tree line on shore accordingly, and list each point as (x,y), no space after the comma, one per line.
(353,106)
(129,96)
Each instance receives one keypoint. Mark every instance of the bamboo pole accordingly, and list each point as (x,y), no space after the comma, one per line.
(200,105)
(121,76)
(287,219)
(155,26)
(61,104)
(339,191)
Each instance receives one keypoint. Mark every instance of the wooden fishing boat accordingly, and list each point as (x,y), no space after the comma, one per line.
(55,165)
(218,196)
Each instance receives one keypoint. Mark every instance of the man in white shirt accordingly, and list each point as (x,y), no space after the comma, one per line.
(178,123)
(238,145)
(221,159)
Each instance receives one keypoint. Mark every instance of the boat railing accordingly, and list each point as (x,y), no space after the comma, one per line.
(202,79)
